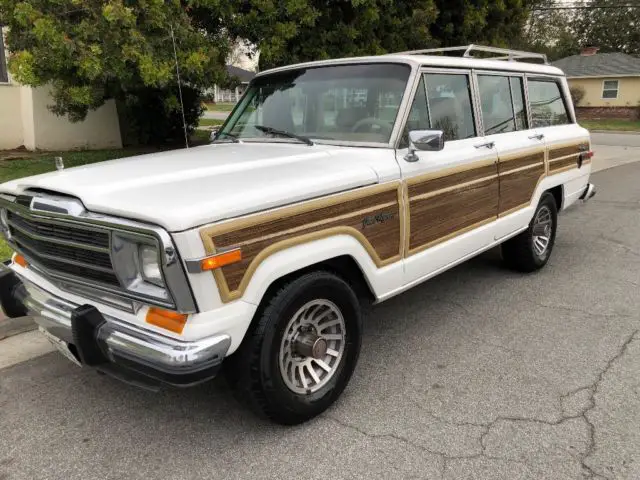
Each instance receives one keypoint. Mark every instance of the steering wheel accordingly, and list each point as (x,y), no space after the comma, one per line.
(371,121)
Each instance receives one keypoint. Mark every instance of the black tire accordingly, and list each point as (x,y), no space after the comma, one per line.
(519,252)
(254,370)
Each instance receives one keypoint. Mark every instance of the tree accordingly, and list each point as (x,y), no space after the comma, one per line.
(495,23)
(615,28)
(549,30)
(577,94)
(93,51)
(288,31)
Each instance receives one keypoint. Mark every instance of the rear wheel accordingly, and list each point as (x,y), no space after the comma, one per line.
(301,351)
(530,250)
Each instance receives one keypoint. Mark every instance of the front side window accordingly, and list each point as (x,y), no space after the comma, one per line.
(449,104)
(442,102)
(610,89)
(349,103)
(547,105)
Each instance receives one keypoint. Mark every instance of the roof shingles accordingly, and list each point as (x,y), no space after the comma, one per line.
(599,65)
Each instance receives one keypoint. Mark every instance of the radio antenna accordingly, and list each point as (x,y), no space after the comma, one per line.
(175,56)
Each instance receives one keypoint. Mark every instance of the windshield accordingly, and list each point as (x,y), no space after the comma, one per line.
(344,103)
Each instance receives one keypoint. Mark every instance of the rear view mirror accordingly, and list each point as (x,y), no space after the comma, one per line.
(425,140)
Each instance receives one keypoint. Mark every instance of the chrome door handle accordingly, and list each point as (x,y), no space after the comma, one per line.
(486,145)
(540,136)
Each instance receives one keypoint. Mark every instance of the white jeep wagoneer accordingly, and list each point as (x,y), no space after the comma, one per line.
(331,184)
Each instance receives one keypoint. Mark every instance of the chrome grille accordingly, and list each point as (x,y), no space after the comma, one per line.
(59,248)
(56,231)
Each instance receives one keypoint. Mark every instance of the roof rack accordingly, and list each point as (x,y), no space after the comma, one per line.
(502,53)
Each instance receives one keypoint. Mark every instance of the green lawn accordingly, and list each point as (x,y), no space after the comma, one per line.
(5,251)
(210,122)
(220,107)
(610,124)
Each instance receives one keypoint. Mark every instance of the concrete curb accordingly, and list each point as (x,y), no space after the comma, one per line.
(14,326)
(617,132)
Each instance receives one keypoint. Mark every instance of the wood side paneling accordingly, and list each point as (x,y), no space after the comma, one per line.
(374,219)
(505,166)
(563,163)
(449,178)
(440,206)
(516,189)
(445,213)
(567,150)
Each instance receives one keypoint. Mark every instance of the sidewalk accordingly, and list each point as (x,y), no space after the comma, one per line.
(14,326)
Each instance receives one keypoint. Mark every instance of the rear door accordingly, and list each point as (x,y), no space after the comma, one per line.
(452,194)
(521,150)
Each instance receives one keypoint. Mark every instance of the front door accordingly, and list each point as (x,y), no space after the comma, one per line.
(450,195)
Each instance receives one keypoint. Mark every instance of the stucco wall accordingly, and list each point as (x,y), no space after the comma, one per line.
(11,135)
(99,130)
(628,92)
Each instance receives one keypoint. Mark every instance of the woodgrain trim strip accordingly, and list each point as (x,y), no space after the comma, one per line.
(300,234)
(227,295)
(521,169)
(458,186)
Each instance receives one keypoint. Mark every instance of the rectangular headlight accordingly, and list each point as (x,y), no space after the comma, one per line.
(149,263)
(137,263)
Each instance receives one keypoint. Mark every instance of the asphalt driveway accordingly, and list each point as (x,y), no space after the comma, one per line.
(478,373)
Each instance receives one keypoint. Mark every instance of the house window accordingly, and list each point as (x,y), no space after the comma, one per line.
(4,76)
(610,89)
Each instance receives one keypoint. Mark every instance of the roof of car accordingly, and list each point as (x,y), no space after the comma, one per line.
(432,61)
(600,65)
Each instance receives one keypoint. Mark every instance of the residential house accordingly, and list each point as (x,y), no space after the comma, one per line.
(232,95)
(611,83)
(25,120)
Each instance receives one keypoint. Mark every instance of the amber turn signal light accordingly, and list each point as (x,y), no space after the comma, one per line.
(20,260)
(220,260)
(172,321)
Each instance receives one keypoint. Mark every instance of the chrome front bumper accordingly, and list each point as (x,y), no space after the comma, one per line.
(111,345)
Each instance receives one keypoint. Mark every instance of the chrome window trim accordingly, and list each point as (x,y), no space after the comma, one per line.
(420,72)
(176,280)
(563,87)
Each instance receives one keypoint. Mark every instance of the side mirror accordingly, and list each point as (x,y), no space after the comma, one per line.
(425,140)
(213,134)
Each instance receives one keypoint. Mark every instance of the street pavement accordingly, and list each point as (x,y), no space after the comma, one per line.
(479,373)
(215,115)
(616,139)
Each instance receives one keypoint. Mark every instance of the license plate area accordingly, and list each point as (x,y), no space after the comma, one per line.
(61,346)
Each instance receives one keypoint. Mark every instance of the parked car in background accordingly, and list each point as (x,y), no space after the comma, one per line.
(331,184)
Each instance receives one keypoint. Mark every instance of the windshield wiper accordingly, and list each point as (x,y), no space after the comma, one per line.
(234,138)
(275,131)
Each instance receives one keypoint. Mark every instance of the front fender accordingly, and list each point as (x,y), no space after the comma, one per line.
(290,260)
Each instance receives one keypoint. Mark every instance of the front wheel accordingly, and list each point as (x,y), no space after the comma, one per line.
(530,250)
(301,351)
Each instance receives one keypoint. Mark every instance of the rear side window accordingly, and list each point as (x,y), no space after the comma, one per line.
(547,105)
(497,107)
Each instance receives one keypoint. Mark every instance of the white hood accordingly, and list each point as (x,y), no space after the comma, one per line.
(182,189)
